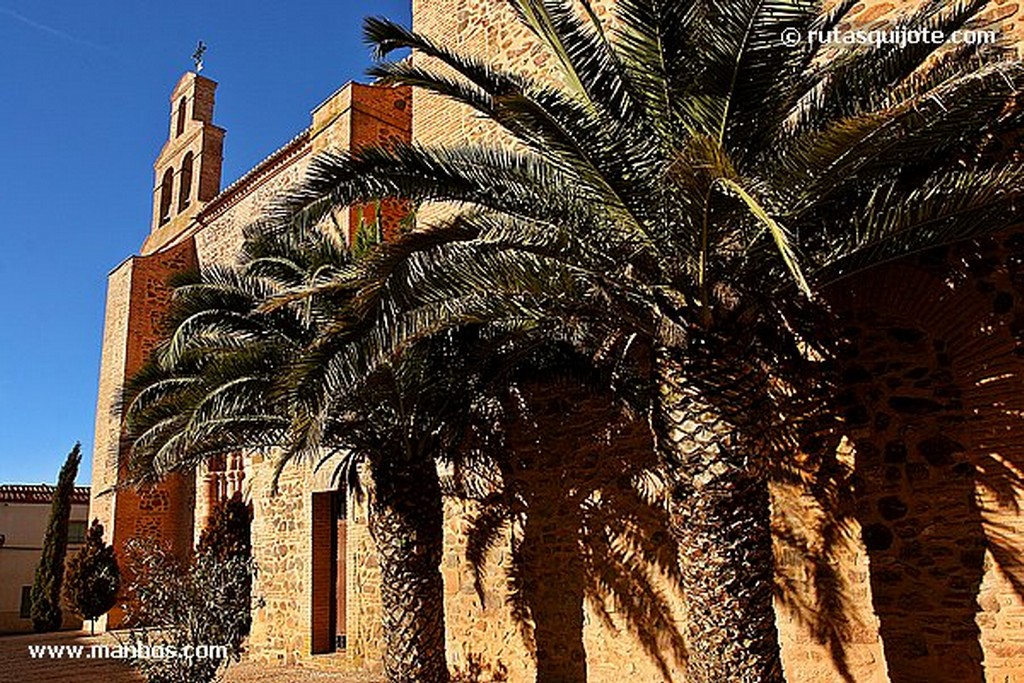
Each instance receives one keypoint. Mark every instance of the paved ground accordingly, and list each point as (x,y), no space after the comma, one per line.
(18,666)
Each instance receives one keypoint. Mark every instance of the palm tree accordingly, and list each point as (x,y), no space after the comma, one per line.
(688,187)
(252,362)
(237,373)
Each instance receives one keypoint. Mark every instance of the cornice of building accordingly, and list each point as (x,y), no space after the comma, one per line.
(39,493)
(275,162)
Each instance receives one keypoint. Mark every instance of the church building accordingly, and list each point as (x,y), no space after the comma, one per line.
(933,568)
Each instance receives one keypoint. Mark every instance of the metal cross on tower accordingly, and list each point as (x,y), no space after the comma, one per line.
(197,56)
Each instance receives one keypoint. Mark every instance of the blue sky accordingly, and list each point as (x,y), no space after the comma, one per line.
(85,89)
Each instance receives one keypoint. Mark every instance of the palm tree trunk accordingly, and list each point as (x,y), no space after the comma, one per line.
(721,519)
(406,523)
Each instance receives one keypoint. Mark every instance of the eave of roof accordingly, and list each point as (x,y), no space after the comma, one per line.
(39,493)
(237,190)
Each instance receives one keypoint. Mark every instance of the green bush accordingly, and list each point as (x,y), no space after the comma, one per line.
(177,607)
(93,577)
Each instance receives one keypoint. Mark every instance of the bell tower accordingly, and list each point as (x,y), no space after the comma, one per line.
(187,171)
(139,298)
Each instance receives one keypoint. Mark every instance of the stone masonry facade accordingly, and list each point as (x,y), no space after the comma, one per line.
(925,566)
(206,232)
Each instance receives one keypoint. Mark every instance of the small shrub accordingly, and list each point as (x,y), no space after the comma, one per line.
(93,578)
(228,536)
(175,607)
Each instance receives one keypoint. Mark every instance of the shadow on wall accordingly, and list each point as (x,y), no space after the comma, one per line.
(573,488)
(932,397)
(921,443)
(477,670)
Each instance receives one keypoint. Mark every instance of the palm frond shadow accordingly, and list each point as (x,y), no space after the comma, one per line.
(568,482)
(812,473)
(988,366)
(929,397)
(813,532)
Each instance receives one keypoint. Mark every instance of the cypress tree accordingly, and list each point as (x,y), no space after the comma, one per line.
(226,541)
(93,577)
(228,531)
(46,612)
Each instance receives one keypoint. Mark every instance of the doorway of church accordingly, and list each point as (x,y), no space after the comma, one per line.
(329,552)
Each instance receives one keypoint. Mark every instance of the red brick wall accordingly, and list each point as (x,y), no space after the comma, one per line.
(162,512)
(381,116)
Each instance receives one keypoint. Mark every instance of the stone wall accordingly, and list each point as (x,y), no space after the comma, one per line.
(283,533)
(283,522)
(577,583)
(281,549)
(934,375)
(105,456)
(487,30)
(364,608)
(220,239)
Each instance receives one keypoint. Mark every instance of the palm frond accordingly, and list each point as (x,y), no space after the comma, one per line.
(948,207)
